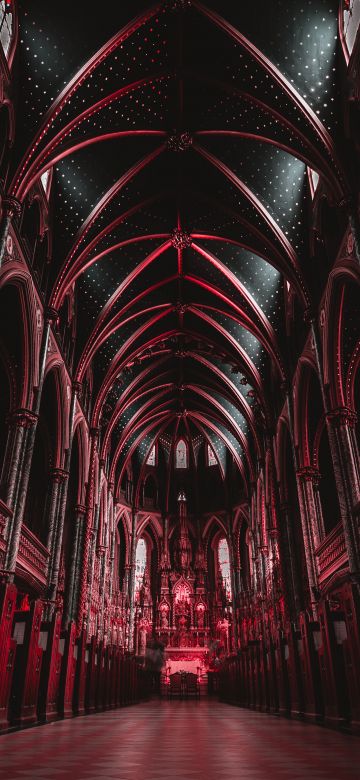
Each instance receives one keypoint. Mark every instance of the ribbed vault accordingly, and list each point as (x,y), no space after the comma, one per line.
(179,149)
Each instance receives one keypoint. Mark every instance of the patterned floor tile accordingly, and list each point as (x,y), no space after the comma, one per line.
(179,740)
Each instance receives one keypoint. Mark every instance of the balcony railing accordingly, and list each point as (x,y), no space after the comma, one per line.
(5,513)
(32,556)
(331,553)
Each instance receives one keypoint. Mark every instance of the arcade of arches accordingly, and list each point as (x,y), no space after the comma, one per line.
(180,365)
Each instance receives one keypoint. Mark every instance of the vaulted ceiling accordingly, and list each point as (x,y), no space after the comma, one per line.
(179,135)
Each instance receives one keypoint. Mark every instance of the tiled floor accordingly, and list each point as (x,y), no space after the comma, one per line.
(185,740)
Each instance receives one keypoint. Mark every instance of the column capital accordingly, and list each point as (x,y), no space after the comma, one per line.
(12,207)
(51,314)
(24,418)
(343,415)
(309,474)
(58,474)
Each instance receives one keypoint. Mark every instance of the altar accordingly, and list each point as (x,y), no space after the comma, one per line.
(186,659)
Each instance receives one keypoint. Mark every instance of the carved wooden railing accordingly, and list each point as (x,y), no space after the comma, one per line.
(5,513)
(331,553)
(32,556)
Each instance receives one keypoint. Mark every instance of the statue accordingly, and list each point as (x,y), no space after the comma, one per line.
(164,621)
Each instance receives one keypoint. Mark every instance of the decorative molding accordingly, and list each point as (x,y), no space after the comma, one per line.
(179,141)
(331,553)
(33,555)
(342,416)
(24,418)
(180,239)
(59,475)
(309,474)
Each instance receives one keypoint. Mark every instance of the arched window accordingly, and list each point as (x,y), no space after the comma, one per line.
(350,24)
(224,565)
(181,455)
(210,456)
(6,22)
(140,564)
(46,181)
(314,179)
(151,458)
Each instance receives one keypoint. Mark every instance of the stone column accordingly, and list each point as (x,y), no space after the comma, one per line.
(11,210)
(58,533)
(10,464)
(94,552)
(56,478)
(75,562)
(281,532)
(102,563)
(309,480)
(132,581)
(344,452)
(311,567)
(58,528)
(88,520)
(21,422)
(27,422)
(126,580)
(15,531)
(234,593)
(237,569)
(290,566)
(166,536)
(341,424)
(111,564)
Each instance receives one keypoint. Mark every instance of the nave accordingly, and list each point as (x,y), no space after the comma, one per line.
(180,389)
(158,739)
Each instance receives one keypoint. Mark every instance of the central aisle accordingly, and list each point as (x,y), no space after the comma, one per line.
(188,740)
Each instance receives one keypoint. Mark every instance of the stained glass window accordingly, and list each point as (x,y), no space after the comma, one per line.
(224,565)
(140,564)
(5,25)
(151,459)
(210,456)
(181,455)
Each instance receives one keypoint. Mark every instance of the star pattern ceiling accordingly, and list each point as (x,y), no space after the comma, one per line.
(179,141)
